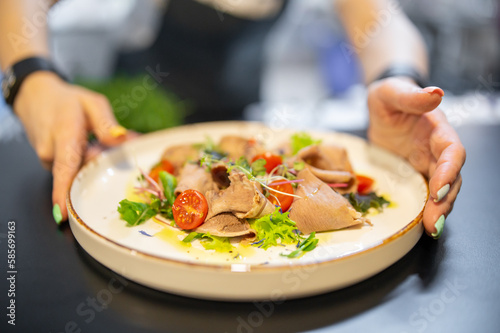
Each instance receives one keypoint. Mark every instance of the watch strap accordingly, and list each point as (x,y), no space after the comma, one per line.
(14,76)
(407,71)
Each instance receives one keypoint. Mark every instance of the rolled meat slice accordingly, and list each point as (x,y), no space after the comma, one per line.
(236,147)
(220,175)
(193,176)
(320,208)
(330,163)
(180,154)
(242,198)
(226,225)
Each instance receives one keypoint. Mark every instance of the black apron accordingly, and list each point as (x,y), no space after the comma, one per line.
(214,60)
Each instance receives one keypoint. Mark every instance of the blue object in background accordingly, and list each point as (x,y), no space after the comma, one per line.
(3,106)
(340,66)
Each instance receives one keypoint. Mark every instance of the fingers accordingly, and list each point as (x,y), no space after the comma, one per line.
(70,146)
(45,152)
(101,118)
(57,117)
(446,171)
(435,213)
(405,96)
(450,156)
(424,137)
(447,156)
(444,186)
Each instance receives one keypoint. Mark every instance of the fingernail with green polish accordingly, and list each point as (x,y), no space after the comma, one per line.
(439,225)
(56,212)
(442,192)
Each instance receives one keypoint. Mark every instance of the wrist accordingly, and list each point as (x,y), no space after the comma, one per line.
(15,76)
(34,88)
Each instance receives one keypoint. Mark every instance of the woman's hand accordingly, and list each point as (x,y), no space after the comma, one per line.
(404,119)
(57,117)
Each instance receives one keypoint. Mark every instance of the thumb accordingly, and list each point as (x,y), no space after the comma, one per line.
(102,120)
(402,95)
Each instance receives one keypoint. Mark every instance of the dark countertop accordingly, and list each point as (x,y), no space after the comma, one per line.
(450,285)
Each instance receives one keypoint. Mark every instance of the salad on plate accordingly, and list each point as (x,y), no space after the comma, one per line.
(239,191)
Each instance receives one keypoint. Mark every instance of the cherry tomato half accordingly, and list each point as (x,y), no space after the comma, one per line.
(164,165)
(364,184)
(282,200)
(190,209)
(272,160)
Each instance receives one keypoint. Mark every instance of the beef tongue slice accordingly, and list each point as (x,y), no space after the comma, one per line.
(330,163)
(242,198)
(180,154)
(237,146)
(193,176)
(320,208)
(226,225)
(220,175)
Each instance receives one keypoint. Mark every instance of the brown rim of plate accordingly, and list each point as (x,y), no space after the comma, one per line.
(259,267)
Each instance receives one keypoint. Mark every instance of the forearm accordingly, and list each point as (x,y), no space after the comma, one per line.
(381,35)
(23,30)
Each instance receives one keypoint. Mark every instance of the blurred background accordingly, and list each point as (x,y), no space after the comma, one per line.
(165,63)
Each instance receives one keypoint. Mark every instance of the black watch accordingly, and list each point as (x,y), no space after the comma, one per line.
(405,70)
(14,76)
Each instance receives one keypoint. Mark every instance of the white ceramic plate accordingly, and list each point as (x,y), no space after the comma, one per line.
(342,257)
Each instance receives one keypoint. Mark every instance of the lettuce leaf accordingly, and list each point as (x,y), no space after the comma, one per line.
(136,213)
(255,169)
(219,244)
(258,167)
(274,229)
(168,182)
(209,242)
(301,140)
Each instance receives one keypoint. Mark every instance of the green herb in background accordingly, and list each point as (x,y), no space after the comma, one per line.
(138,107)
